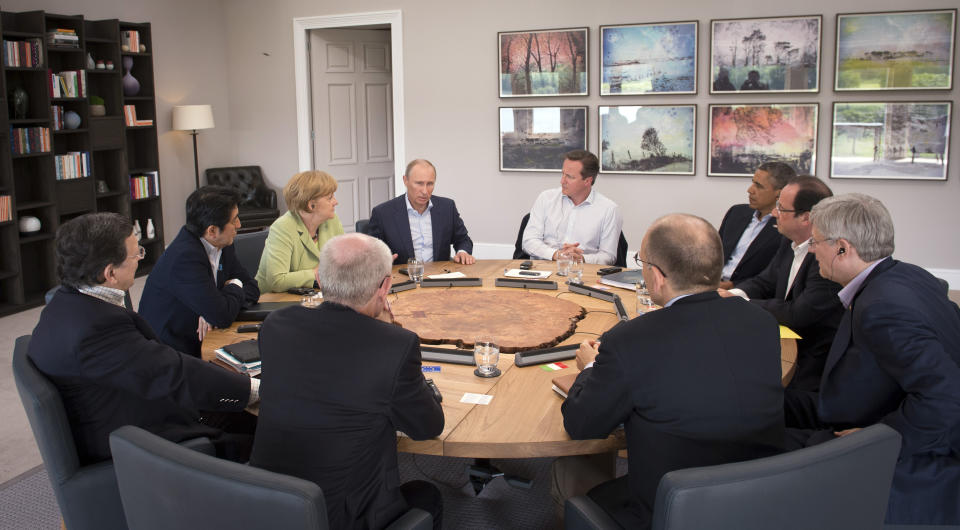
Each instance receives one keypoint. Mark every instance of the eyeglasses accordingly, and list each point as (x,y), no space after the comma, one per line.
(641,263)
(141,253)
(813,242)
(781,209)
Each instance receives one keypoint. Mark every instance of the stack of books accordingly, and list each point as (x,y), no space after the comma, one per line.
(130,39)
(6,212)
(130,117)
(73,165)
(28,140)
(145,186)
(22,53)
(63,37)
(68,84)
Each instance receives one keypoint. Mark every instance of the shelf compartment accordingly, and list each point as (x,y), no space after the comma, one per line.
(33,205)
(42,236)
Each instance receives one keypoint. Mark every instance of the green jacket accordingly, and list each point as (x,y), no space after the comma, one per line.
(290,255)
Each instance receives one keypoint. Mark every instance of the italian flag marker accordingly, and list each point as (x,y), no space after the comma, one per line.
(552,367)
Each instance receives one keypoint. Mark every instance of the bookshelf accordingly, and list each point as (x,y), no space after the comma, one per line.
(54,172)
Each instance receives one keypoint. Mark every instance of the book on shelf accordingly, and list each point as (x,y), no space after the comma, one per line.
(6,212)
(144,186)
(73,165)
(68,84)
(29,140)
(56,112)
(22,53)
(130,39)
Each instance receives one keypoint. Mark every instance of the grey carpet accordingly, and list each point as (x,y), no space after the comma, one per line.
(27,501)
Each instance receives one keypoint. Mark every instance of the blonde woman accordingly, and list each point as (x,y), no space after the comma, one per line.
(292,250)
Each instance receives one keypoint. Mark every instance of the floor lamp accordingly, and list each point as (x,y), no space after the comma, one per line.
(193,118)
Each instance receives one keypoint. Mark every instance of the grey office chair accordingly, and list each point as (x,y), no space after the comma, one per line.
(843,484)
(361,226)
(249,247)
(166,486)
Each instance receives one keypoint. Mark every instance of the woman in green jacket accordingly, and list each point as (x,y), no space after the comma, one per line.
(292,250)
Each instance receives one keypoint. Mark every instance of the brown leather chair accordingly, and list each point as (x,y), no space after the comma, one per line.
(258,203)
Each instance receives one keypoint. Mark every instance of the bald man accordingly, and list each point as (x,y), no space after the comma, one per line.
(724,400)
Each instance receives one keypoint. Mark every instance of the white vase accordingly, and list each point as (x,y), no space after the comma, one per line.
(136,229)
(151,232)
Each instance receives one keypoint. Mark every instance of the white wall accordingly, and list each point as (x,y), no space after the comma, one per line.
(450,59)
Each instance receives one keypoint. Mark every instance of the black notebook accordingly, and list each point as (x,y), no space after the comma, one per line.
(247,351)
(261,310)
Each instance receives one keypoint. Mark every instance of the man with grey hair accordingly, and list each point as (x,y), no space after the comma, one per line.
(341,379)
(895,360)
(723,400)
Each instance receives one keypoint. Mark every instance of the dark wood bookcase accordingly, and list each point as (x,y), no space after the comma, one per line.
(116,150)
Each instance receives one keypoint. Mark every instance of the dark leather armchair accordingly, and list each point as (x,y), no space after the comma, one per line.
(258,203)
(186,489)
(840,484)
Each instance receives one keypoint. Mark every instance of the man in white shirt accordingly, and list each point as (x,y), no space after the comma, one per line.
(574,219)
(791,287)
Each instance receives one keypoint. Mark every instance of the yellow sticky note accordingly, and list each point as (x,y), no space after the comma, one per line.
(787,333)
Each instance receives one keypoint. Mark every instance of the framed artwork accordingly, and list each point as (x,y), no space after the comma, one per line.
(550,62)
(648,139)
(765,55)
(898,140)
(744,136)
(908,50)
(536,138)
(648,59)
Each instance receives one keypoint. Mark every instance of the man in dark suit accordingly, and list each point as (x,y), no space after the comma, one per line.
(895,359)
(791,287)
(420,224)
(696,383)
(749,231)
(106,361)
(198,283)
(340,381)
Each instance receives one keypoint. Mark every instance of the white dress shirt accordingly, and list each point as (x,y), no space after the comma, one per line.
(421,231)
(595,224)
(799,253)
(213,254)
(749,234)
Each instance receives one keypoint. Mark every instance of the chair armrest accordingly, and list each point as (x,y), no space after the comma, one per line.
(200,445)
(581,513)
(267,197)
(414,519)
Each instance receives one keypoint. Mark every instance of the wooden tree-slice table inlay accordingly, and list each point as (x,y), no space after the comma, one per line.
(519,321)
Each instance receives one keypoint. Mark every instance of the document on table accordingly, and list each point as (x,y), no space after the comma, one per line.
(447,276)
(533,275)
(476,399)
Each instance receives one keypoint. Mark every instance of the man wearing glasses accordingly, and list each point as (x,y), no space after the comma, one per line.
(696,383)
(198,283)
(895,360)
(791,287)
(748,231)
(105,360)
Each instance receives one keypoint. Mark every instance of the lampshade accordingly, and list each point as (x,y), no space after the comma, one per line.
(192,117)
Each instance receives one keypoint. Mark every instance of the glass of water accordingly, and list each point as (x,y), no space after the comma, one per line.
(644,302)
(312,300)
(563,264)
(486,354)
(576,269)
(415,269)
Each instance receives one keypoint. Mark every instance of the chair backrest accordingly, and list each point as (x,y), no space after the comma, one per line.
(518,252)
(945,284)
(87,496)
(164,485)
(843,483)
(247,180)
(361,226)
(621,251)
(249,247)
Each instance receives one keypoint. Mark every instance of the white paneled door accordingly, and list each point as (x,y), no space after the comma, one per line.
(353,117)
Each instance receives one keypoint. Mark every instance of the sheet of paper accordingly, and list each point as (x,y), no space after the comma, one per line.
(447,276)
(533,275)
(787,333)
(476,399)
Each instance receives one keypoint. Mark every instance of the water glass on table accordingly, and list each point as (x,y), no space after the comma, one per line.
(644,302)
(415,269)
(563,264)
(486,355)
(576,270)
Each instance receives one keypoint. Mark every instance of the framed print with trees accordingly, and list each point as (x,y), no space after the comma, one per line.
(643,59)
(649,139)
(536,138)
(543,63)
(898,140)
(765,54)
(744,136)
(896,51)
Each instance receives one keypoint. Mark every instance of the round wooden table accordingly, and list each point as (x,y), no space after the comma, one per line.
(523,419)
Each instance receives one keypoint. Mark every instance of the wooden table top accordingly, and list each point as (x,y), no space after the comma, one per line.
(523,419)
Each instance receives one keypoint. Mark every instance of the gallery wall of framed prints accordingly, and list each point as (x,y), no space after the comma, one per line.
(890,106)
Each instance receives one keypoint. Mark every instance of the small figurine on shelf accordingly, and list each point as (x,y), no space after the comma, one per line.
(143,48)
(151,231)
(101,65)
(19,102)
(136,229)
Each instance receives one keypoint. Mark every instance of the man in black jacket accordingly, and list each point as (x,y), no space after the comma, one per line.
(791,287)
(696,383)
(106,361)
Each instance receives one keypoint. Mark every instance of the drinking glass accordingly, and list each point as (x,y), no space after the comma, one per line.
(311,300)
(576,269)
(415,269)
(563,264)
(644,302)
(486,354)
